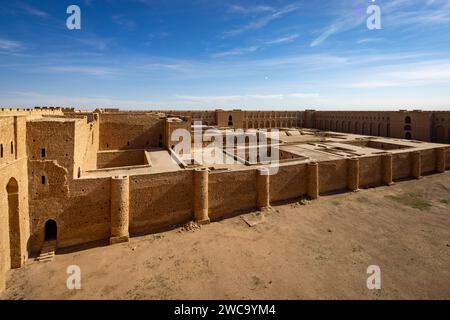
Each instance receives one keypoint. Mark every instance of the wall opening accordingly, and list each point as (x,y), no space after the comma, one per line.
(408,136)
(439,135)
(12,190)
(43,152)
(1,150)
(12,147)
(160,143)
(43,179)
(51,230)
(230,120)
(408,120)
(79,172)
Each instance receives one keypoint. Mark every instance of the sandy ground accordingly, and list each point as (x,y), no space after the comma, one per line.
(318,250)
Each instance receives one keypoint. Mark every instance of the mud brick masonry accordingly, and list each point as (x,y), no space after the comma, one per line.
(105,175)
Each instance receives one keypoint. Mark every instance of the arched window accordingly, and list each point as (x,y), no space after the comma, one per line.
(408,119)
(230,120)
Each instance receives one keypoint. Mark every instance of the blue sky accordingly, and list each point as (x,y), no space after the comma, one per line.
(206,54)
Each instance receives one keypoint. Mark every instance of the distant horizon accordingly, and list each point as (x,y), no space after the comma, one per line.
(91,108)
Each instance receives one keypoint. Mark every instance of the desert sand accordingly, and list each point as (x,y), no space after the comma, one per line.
(315,250)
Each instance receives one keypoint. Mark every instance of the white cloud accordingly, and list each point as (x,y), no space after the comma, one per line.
(251,49)
(208,99)
(33,11)
(235,52)
(406,75)
(282,40)
(10,45)
(31,99)
(262,21)
(89,70)
(250,9)
(122,21)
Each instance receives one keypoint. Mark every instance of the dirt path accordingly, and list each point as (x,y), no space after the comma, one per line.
(319,250)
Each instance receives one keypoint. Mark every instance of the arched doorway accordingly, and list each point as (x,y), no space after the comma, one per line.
(408,136)
(230,120)
(51,231)
(12,189)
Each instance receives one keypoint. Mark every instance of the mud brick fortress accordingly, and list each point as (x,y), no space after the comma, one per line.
(75,177)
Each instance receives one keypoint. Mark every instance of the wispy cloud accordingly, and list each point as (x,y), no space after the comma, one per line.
(236,52)
(262,21)
(369,40)
(88,70)
(121,20)
(246,97)
(32,10)
(263,44)
(208,99)
(282,40)
(10,45)
(250,9)
(395,13)
(30,98)
(407,75)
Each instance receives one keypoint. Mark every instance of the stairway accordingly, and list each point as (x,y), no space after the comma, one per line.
(47,251)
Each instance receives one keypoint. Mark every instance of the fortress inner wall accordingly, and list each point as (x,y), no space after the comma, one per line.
(122,158)
(428,161)
(160,200)
(332,176)
(290,182)
(370,171)
(231,191)
(130,130)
